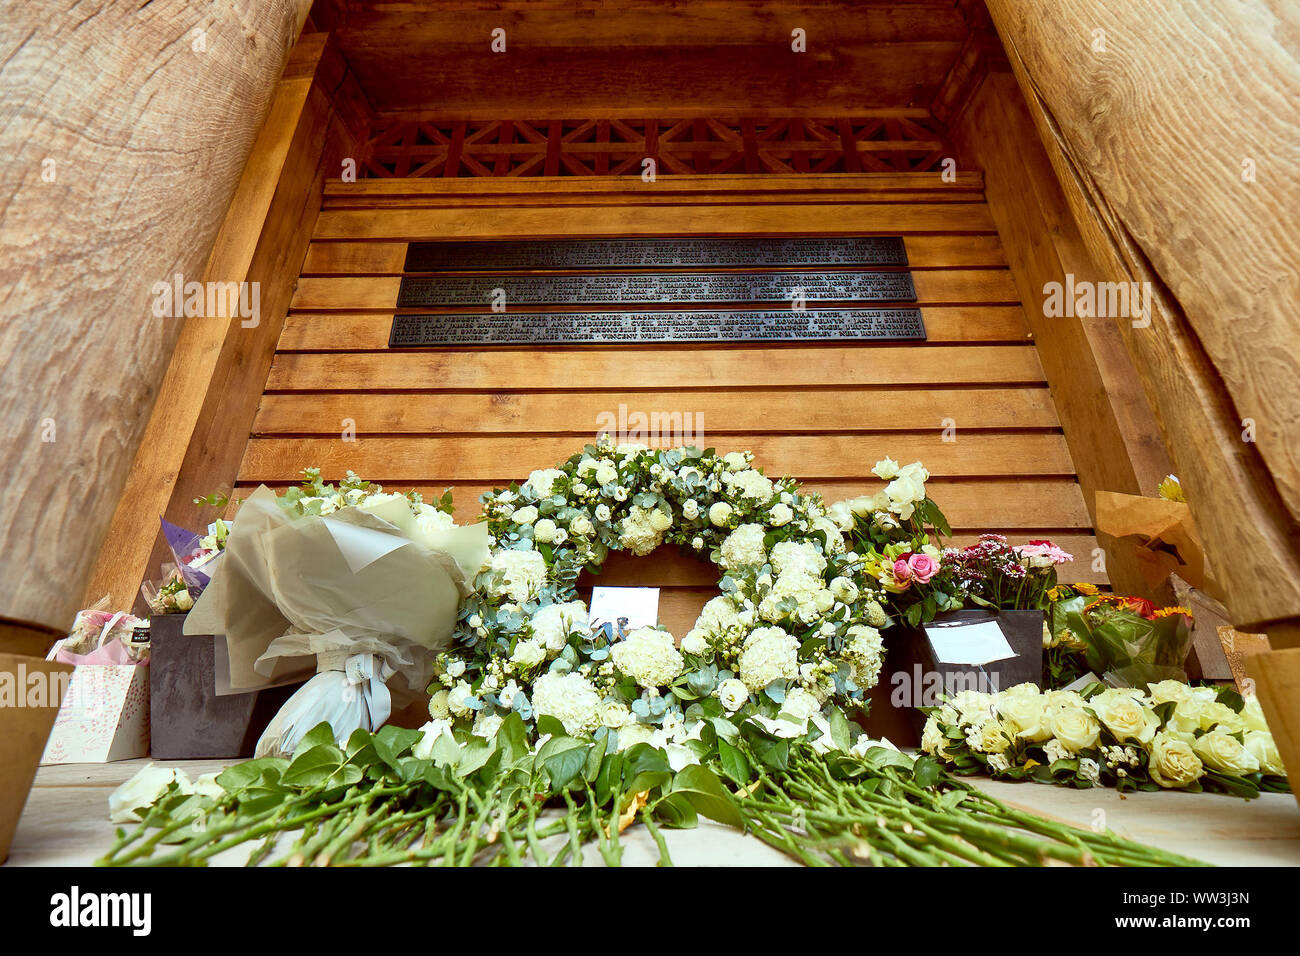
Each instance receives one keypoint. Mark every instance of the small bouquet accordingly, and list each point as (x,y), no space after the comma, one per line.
(995,574)
(1169,736)
(1126,639)
(170,597)
(897,532)
(101,636)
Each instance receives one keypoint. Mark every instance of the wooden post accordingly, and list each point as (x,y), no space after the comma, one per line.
(125,133)
(196,436)
(1183,177)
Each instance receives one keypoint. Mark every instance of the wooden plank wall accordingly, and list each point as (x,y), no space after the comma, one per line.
(472,418)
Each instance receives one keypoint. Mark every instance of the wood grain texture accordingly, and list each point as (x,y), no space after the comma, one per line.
(195,437)
(147,138)
(1113,436)
(528,222)
(588,57)
(1159,198)
(477,458)
(527,369)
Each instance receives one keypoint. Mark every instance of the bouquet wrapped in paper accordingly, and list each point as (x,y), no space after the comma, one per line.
(357,588)
(1125,638)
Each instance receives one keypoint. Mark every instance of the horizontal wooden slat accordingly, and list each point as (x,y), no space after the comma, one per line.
(380,292)
(525,369)
(582,412)
(1001,503)
(659,220)
(743,187)
(352,332)
(473,458)
(388,258)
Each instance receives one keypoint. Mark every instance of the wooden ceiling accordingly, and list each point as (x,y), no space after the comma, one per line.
(631,57)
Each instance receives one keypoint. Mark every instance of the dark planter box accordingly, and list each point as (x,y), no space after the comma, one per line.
(187,719)
(913,677)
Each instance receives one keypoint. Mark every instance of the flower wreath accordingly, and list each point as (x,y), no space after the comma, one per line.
(793,632)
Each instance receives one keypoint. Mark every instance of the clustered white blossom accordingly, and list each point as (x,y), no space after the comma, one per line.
(797,622)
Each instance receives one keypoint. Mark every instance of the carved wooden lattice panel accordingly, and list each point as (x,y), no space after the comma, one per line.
(883,141)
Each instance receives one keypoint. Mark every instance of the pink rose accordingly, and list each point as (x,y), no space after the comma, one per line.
(902,572)
(923,567)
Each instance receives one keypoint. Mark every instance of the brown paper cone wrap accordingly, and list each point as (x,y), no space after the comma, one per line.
(24,730)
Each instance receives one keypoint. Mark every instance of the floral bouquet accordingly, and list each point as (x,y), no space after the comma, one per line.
(1170,736)
(895,531)
(1127,637)
(995,574)
(352,584)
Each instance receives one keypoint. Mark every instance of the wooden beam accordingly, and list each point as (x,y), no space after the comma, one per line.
(1148,111)
(125,131)
(196,435)
(1113,437)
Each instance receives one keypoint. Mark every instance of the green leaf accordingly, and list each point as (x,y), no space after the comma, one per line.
(319,735)
(314,767)
(839,729)
(564,764)
(734,763)
(707,795)
(927,771)
(475,755)
(244,775)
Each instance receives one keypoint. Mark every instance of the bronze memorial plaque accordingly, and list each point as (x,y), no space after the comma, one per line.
(657,290)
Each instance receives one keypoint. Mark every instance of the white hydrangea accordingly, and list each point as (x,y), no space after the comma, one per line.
(432,520)
(524,574)
(797,557)
(718,615)
(553,624)
(649,657)
(744,546)
(770,653)
(570,699)
(865,652)
(695,642)
(638,532)
(750,484)
(542,481)
(735,460)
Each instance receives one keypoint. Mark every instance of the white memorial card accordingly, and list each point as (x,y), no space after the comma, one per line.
(974,644)
(640,606)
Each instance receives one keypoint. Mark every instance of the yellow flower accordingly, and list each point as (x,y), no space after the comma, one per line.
(1083,587)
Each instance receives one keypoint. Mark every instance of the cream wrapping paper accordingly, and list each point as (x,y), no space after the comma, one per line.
(359,595)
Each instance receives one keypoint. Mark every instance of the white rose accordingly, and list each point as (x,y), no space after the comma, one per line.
(602,512)
(1074,727)
(733,694)
(423,748)
(144,790)
(844,590)
(719,513)
(1173,765)
(885,469)
(690,509)
(528,654)
(542,481)
(1224,753)
(1262,747)
(614,714)
(582,526)
(457,697)
(526,515)
(606,473)
(697,542)
(1253,714)
(780,515)
(1125,717)
(1025,713)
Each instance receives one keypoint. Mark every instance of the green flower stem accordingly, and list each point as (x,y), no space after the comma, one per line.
(647,818)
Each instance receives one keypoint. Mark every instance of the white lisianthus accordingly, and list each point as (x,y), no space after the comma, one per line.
(781,514)
(800,705)
(528,654)
(649,657)
(733,694)
(458,697)
(542,482)
(719,513)
(743,546)
(695,642)
(769,654)
(606,473)
(690,509)
(582,526)
(602,512)
(144,790)
(570,699)
(524,574)
(885,469)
